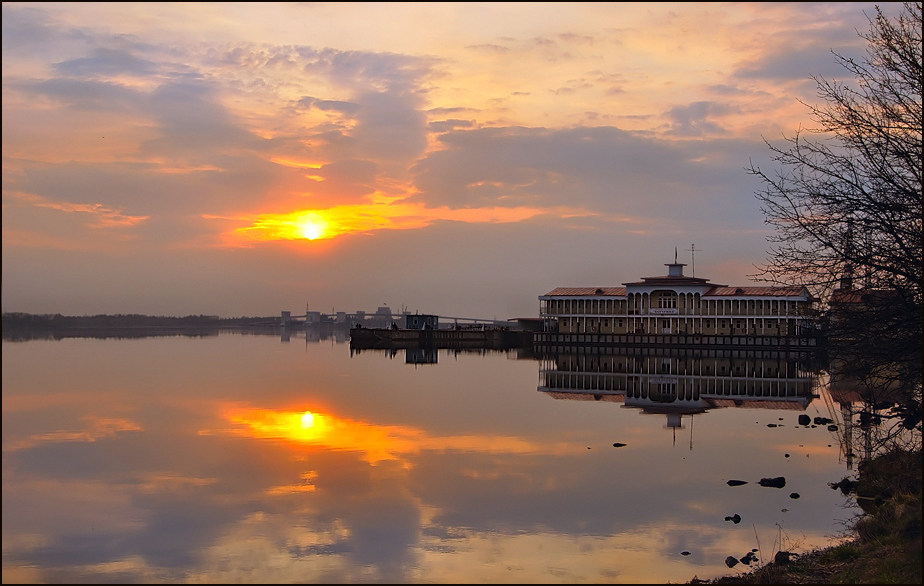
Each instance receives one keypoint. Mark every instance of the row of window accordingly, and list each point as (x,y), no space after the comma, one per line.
(689,303)
(673,326)
(637,389)
(671,368)
(666,323)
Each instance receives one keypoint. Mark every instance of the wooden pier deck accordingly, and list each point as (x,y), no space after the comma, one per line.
(494,338)
(501,338)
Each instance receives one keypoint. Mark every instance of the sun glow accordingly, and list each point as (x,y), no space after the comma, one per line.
(312,227)
(382,214)
(307,419)
(376,443)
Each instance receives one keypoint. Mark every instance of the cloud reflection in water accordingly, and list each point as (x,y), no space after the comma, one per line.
(459,472)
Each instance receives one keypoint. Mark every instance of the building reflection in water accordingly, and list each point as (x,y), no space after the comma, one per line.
(867,403)
(431,354)
(681,382)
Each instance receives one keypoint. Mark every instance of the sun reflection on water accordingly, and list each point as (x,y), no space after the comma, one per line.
(375,442)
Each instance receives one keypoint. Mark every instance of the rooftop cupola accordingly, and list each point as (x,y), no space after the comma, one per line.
(675,269)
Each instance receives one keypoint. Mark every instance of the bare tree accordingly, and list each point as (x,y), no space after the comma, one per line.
(847,207)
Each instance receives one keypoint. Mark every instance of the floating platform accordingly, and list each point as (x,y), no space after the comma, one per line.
(504,338)
(492,338)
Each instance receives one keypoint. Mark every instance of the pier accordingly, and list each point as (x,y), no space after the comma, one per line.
(549,342)
(489,338)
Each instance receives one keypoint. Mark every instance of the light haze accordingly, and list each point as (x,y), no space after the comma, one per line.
(242,159)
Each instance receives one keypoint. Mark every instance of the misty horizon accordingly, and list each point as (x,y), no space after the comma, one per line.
(235,159)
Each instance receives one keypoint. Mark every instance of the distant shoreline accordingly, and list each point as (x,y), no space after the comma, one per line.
(26,326)
(132,320)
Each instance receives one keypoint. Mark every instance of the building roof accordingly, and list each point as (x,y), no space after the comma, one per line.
(588,396)
(858,296)
(585,291)
(676,278)
(794,404)
(723,291)
(672,280)
(714,291)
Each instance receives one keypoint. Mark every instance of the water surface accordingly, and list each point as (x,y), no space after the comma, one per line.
(257,458)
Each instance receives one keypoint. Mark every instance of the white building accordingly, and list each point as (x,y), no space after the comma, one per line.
(679,305)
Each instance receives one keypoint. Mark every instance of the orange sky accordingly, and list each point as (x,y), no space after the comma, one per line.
(153,153)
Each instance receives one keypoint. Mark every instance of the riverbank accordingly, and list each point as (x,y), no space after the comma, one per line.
(885,547)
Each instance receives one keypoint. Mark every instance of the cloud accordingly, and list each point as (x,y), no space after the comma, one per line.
(104,217)
(145,189)
(390,127)
(346,108)
(451,124)
(551,123)
(386,72)
(100,96)
(26,27)
(807,45)
(106,62)
(490,48)
(450,111)
(346,180)
(192,121)
(696,119)
(601,169)
(387,129)
(792,64)
(98,428)
(577,39)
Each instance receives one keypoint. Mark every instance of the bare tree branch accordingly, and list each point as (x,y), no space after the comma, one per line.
(846,209)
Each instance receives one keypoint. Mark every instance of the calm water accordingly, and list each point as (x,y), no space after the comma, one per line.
(248,458)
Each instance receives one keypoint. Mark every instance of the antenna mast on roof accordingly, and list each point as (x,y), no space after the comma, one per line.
(675,255)
(692,250)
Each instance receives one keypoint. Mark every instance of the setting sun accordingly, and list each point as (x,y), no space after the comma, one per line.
(311,227)
(307,420)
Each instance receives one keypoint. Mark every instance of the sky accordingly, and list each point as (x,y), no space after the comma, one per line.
(462,159)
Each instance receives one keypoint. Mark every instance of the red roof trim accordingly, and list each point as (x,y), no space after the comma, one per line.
(587,291)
